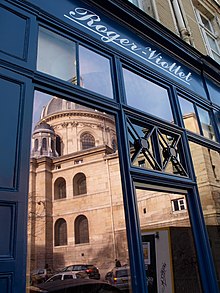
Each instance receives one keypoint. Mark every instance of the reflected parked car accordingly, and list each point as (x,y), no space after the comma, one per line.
(119,277)
(91,270)
(74,285)
(40,275)
(67,276)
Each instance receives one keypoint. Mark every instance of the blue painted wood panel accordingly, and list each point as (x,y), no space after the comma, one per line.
(7,228)
(10,92)
(12,42)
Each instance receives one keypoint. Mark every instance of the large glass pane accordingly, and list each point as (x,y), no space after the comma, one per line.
(147,96)
(168,247)
(207,168)
(189,115)
(95,73)
(76,225)
(56,55)
(206,123)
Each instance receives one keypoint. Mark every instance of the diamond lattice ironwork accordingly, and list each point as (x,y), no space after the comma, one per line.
(159,148)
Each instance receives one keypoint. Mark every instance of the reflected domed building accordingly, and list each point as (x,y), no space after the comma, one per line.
(66,127)
(74,179)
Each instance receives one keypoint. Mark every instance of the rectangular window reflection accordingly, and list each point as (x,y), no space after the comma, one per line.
(76,212)
(168,247)
(56,55)
(147,96)
(207,168)
(190,119)
(206,123)
(95,74)
(189,115)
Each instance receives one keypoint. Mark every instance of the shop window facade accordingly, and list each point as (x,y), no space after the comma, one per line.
(109,72)
(81,227)
(60,233)
(156,144)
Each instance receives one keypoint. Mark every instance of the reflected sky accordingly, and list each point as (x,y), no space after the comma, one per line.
(56,55)
(147,96)
(95,73)
(40,100)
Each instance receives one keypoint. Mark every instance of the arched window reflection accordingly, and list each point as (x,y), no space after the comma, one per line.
(36,144)
(87,141)
(60,188)
(81,230)
(79,184)
(60,233)
(44,144)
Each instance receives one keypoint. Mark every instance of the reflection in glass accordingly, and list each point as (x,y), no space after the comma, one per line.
(76,212)
(56,55)
(154,148)
(169,253)
(95,74)
(147,96)
(189,115)
(217,119)
(191,122)
(206,123)
(207,169)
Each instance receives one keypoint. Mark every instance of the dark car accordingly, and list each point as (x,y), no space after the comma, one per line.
(119,277)
(74,286)
(91,270)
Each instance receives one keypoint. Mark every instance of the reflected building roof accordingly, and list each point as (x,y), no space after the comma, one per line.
(56,105)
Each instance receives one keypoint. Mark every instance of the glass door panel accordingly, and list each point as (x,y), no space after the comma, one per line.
(168,247)
(76,227)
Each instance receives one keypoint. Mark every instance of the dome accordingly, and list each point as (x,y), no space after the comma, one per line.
(56,105)
(43,127)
